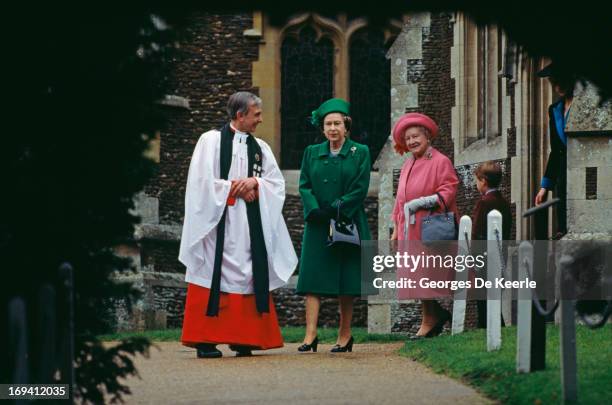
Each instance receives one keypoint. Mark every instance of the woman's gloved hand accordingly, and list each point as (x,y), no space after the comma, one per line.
(426,202)
(318,216)
(329,211)
(422,202)
(322,215)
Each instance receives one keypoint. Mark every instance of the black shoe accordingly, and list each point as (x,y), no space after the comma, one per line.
(241,351)
(341,349)
(437,328)
(307,347)
(208,351)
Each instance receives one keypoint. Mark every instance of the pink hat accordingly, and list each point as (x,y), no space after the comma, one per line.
(410,120)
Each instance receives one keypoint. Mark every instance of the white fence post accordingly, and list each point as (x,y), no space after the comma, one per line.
(494,262)
(459,300)
(523,331)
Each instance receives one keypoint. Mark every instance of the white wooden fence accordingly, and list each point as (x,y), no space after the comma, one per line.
(530,313)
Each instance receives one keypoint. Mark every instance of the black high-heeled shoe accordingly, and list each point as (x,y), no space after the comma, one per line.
(306,347)
(437,329)
(346,348)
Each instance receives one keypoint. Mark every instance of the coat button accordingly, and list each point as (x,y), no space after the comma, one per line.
(335,181)
(324,180)
(326,162)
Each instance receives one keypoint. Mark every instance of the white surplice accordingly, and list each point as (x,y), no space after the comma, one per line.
(205,200)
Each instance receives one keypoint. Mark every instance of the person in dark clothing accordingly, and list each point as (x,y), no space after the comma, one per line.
(488,178)
(555,175)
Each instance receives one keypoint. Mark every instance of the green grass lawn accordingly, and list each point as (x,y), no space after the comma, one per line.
(291,334)
(465,357)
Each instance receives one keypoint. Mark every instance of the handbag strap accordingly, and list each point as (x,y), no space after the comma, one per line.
(446,211)
(432,209)
(443,202)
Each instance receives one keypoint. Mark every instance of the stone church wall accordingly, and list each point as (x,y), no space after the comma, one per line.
(214,60)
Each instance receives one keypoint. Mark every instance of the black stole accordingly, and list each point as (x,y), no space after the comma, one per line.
(259,254)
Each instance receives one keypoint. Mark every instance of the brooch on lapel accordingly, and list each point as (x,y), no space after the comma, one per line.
(428,156)
(257,157)
(353,149)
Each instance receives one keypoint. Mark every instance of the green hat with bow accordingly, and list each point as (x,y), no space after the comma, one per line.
(330,106)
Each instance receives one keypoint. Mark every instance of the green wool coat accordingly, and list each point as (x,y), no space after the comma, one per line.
(335,270)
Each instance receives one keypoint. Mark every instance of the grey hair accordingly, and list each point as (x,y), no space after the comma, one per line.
(240,102)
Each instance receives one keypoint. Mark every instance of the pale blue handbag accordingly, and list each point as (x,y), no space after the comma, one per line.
(342,232)
(440,226)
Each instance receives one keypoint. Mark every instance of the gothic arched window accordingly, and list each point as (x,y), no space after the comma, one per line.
(324,57)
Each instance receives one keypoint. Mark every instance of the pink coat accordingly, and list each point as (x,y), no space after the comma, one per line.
(422,177)
(431,173)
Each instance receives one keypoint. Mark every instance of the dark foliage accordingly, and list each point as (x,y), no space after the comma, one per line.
(109,366)
(84,95)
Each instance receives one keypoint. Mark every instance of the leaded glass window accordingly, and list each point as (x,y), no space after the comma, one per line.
(307,81)
(370,86)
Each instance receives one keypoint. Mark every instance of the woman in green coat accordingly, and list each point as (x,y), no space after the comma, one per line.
(335,172)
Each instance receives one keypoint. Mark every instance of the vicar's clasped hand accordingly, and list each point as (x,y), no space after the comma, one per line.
(245,188)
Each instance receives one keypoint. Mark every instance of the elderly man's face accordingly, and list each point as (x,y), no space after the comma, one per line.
(248,122)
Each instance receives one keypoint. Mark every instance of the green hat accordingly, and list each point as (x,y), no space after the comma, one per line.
(330,106)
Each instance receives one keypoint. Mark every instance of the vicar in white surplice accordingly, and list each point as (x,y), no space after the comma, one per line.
(235,243)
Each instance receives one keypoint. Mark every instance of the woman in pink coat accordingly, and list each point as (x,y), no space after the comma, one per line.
(425,177)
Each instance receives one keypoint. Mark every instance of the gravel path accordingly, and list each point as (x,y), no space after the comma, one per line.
(372,374)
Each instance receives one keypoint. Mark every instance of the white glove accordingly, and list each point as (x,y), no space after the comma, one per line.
(427,202)
(422,202)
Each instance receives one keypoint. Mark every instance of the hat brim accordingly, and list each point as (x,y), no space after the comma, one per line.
(411,120)
(333,105)
(547,71)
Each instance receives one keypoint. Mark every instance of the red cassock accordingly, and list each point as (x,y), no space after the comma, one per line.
(238,322)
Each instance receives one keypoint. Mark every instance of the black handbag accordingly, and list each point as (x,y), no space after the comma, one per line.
(342,231)
(440,226)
